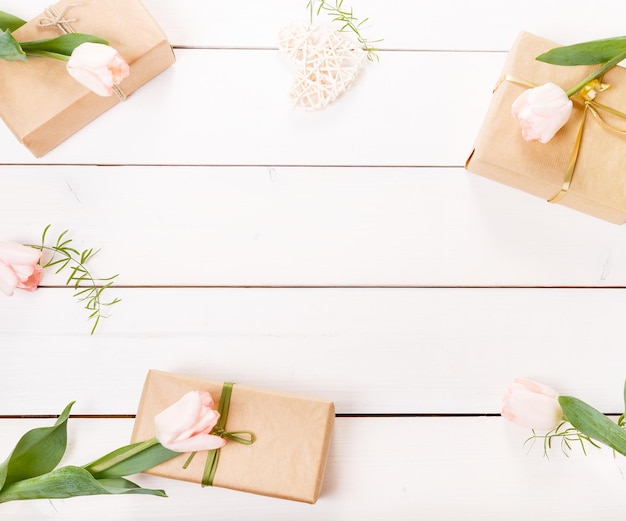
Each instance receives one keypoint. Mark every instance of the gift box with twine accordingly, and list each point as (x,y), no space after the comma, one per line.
(584,165)
(292,436)
(42,104)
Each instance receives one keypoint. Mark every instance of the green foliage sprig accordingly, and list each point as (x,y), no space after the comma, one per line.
(566,435)
(67,258)
(348,22)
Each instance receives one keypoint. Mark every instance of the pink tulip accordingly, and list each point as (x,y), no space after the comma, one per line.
(186,425)
(98,67)
(18,267)
(533,405)
(542,111)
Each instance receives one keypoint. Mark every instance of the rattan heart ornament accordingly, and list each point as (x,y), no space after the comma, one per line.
(326,64)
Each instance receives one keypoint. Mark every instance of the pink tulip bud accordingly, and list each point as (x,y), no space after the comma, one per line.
(542,111)
(18,267)
(98,67)
(186,425)
(533,405)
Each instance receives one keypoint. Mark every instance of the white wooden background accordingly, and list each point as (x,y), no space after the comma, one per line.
(343,254)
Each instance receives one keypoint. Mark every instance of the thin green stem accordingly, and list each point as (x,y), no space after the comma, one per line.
(48,54)
(566,433)
(64,251)
(599,72)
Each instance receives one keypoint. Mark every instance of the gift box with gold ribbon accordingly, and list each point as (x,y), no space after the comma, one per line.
(277,443)
(42,104)
(584,165)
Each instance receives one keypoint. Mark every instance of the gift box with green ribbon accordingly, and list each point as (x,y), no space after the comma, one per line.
(277,444)
(583,166)
(40,102)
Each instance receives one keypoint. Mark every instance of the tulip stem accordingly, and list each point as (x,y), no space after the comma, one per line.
(599,72)
(48,54)
(106,462)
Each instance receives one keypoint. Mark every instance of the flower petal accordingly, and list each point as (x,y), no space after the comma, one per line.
(189,416)
(32,282)
(536,387)
(90,80)
(8,279)
(98,67)
(529,409)
(542,111)
(16,253)
(196,443)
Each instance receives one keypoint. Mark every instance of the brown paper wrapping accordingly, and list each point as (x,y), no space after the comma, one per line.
(43,105)
(598,187)
(288,458)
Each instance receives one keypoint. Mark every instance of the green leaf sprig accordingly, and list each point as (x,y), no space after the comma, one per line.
(30,470)
(348,22)
(67,258)
(60,48)
(566,434)
(608,52)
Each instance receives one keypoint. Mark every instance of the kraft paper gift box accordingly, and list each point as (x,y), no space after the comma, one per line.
(288,458)
(598,186)
(42,104)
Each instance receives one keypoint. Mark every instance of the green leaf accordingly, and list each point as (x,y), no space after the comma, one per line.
(125,486)
(62,45)
(130,459)
(37,452)
(621,422)
(586,53)
(67,482)
(10,50)
(10,22)
(593,423)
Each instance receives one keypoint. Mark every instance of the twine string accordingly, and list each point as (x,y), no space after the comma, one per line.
(56,18)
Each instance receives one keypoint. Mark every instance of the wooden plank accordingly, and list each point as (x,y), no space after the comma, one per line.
(416,220)
(255,226)
(451,25)
(368,350)
(406,468)
(243,115)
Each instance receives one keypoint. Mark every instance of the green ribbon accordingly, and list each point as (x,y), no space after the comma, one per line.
(213,456)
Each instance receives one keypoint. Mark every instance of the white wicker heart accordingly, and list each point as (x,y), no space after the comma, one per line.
(326,64)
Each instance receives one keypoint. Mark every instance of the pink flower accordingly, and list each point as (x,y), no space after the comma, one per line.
(18,267)
(532,405)
(542,111)
(98,67)
(185,426)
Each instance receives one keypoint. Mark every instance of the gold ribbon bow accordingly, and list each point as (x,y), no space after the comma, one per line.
(586,97)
